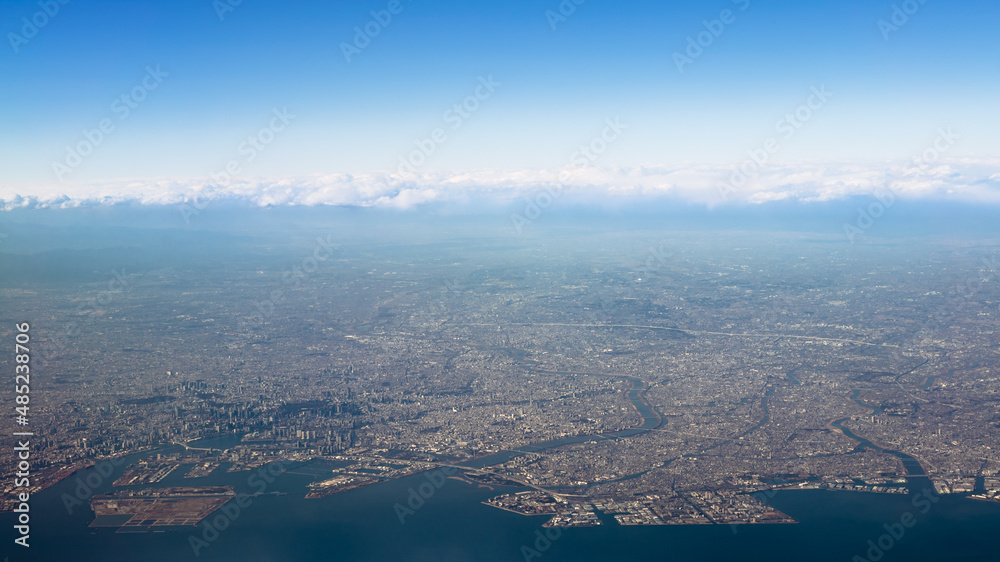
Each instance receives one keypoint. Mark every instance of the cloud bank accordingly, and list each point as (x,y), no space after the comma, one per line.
(958,180)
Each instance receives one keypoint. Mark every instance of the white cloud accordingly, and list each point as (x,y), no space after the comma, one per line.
(964,180)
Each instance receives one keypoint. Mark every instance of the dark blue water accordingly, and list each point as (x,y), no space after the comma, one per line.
(910,464)
(452,525)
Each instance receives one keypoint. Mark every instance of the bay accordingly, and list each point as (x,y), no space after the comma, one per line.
(452,525)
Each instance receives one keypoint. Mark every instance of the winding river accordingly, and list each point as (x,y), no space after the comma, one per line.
(910,464)
(651,418)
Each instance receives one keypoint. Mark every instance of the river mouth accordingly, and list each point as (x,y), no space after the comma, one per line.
(916,475)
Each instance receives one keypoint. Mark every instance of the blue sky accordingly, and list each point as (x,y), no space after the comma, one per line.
(557,87)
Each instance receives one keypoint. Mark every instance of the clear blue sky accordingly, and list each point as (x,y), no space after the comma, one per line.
(607,59)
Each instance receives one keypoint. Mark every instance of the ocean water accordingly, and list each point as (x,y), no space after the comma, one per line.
(452,525)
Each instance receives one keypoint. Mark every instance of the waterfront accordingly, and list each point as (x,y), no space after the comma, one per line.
(452,525)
